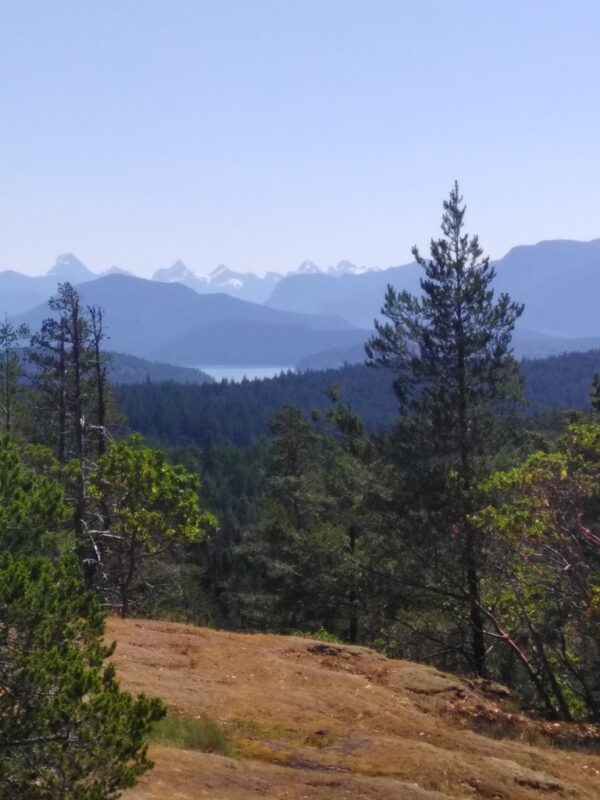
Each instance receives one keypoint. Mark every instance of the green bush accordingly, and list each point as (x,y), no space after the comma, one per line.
(320,635)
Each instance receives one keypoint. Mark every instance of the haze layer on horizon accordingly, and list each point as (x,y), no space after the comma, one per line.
(258,134)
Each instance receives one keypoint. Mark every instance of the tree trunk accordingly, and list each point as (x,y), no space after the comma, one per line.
(352,594)
(78,421)
(97,317)
(62,400)
(476,616)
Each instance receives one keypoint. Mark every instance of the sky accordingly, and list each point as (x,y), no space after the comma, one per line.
(259,133)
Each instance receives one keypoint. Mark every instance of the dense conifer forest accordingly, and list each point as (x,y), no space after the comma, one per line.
(238,413)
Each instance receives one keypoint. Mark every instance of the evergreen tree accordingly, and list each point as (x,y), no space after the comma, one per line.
(275,560)
(11,337)
(71,388)
(70,376)
(451,350)
(32,501)
(99,366)
(48,355)
(313,558)
(595,396)
(356,481)
(66,730)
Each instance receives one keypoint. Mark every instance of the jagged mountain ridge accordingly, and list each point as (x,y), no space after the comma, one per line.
(558,281)
(246,285)
(68,267)
(19,292)
(170,322)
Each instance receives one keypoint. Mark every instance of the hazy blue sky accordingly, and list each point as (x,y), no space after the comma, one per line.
(259,133)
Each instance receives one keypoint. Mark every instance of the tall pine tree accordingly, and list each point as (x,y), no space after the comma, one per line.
(451,350)
(70,387)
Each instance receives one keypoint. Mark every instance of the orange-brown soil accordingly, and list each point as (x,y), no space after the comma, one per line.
(313,720)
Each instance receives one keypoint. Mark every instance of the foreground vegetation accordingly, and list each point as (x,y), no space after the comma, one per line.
(198,733)
(66,730)
(81,514)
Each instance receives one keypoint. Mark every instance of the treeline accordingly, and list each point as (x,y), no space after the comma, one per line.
(562,381)
(238,413)
(124,368)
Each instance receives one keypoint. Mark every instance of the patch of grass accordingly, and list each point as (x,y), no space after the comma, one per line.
(274,743)
(198,733)
(320,635)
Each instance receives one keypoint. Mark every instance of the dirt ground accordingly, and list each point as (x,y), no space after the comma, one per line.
(314,720)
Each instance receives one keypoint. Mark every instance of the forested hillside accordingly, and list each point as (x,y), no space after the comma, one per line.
(238,413)
(123,368)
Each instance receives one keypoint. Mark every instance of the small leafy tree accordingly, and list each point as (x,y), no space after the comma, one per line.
(66,730)
(150,506)
(542,591)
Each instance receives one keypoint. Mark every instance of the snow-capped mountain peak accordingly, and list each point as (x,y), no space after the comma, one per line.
(177,272)
(221,270)
(345,267)
(225,278)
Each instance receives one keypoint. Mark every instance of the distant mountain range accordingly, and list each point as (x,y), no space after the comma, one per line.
(246,285)
(314,317)
(558,281)
(19,293)
(170,322)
